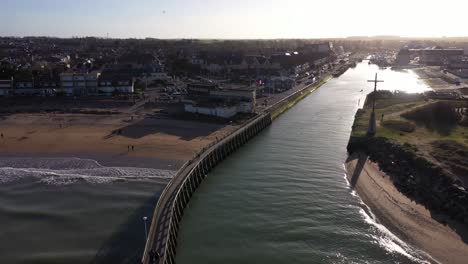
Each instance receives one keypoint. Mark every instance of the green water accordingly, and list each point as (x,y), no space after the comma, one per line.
(283,197)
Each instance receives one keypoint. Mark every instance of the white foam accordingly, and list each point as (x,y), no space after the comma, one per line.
(386,239)
(390,242)
(64,171)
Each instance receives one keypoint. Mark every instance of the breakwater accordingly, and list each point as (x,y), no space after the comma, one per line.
(162,237)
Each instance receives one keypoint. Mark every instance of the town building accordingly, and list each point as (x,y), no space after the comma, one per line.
(78,83)
(279,84)
(224,102)
(111,82)
(24,84)
(403,58)
(437,56)
(5,87)
(325,47)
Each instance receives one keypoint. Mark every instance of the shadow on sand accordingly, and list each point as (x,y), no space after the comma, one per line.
(127,244)
(362,159)
(186,130)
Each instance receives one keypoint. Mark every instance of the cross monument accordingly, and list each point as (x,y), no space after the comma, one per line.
(372,129)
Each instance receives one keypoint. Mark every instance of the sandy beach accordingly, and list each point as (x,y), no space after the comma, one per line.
(157,143)
(410,221)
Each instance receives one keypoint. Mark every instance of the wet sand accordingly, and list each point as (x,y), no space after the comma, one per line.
(157,143)
(409,220)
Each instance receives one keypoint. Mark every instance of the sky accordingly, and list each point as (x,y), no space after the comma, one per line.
(237,19)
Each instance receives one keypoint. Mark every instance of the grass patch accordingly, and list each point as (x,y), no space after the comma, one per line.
(399,125)
(439,116)
(452,154)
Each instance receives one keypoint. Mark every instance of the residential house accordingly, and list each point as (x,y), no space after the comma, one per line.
(6,86)
(112,82)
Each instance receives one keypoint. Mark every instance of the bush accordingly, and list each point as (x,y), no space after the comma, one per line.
(439,112)
(439,116)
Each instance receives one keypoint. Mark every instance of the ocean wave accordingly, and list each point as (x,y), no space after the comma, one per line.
(65,171)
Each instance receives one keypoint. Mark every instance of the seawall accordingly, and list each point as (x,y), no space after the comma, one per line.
(162,237)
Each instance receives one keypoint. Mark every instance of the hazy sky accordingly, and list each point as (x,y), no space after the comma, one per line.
(233,19)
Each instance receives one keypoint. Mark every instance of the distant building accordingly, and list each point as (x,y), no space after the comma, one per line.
(458,63)
(47,84)
(210,99)
(110,82)
(325,47)
(461,73)
(150,74)
(403,57)
(5,87)
(294,62)
(24,84)
(279,84)
(78,83)
(437,56)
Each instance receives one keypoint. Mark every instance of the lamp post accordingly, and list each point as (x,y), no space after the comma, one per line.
(146,232)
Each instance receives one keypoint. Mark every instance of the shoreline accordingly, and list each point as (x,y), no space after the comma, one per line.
(106,161)
(408,220)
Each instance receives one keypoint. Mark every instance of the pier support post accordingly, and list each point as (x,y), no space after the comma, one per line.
(185,197)
(192,184)
(200,175)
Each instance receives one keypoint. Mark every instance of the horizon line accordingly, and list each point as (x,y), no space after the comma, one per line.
(195,38)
